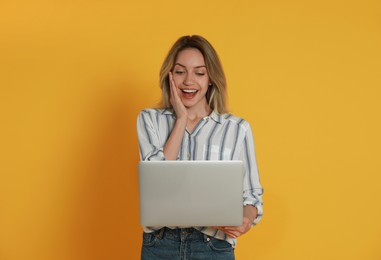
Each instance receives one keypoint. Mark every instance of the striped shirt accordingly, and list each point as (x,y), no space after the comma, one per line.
(215,137)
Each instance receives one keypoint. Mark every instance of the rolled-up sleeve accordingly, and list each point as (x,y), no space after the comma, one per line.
(252,188)
(148,137)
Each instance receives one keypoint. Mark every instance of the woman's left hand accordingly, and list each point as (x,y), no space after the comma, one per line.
(249,214)
(235,232)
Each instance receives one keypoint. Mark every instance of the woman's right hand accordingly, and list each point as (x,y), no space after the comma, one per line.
(178,106)
(172,146)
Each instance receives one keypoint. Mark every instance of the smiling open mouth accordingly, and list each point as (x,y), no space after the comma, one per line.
(189,93)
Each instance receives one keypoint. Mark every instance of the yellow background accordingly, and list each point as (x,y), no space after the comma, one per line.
(74,75)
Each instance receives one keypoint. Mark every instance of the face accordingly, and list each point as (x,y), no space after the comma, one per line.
(191,78)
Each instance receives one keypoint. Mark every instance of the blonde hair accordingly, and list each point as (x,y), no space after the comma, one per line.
(216,95)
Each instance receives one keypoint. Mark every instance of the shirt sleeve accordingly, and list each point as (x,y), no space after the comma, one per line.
(253,190)
(148,137)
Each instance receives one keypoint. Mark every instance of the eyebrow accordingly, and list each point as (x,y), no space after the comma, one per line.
(201,66)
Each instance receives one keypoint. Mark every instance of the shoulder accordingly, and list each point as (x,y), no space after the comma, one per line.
(153,116)
(235,120)
(154,112)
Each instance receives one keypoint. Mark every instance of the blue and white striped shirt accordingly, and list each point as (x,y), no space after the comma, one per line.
(216,137)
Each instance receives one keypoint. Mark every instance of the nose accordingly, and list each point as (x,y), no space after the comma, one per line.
(188,80)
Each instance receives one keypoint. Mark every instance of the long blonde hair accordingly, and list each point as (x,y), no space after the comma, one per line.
(216,95)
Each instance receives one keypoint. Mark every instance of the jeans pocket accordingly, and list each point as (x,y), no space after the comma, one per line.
(149,239)
(220,245)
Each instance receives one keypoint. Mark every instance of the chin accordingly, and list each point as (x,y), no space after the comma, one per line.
(191,103)
(188,104)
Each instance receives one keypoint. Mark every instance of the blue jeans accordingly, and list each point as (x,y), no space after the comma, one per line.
(184,244)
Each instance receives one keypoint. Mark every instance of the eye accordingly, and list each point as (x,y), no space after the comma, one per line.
(179,72)
(200,73)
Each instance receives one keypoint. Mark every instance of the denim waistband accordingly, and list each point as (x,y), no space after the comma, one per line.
(181,234)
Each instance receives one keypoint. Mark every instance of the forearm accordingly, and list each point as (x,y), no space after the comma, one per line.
(250,212)
(172,146)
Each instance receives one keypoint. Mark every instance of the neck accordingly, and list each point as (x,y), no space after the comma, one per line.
(195,114)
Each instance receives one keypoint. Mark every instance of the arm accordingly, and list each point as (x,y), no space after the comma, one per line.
(252,198)
(249,214)
(252,187)
(172,146)
(150,148)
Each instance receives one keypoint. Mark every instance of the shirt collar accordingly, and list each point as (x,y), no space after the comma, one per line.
(214,115)
(167,112)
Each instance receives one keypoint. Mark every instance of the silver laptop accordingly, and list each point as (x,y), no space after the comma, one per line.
(191,193)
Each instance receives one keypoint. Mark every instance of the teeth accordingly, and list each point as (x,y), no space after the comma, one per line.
(189,90)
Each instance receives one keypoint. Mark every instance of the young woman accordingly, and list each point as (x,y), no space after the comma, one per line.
(193,124)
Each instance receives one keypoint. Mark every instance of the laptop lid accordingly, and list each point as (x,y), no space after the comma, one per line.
(191,193)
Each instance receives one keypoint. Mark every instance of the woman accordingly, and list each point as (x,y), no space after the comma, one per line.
(193,124)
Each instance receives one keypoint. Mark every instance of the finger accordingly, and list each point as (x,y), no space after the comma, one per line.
(231,234)
(176,100)
(239,229)
(219,228)
(171,81)
(170,76)
(230,228)
(172,84)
